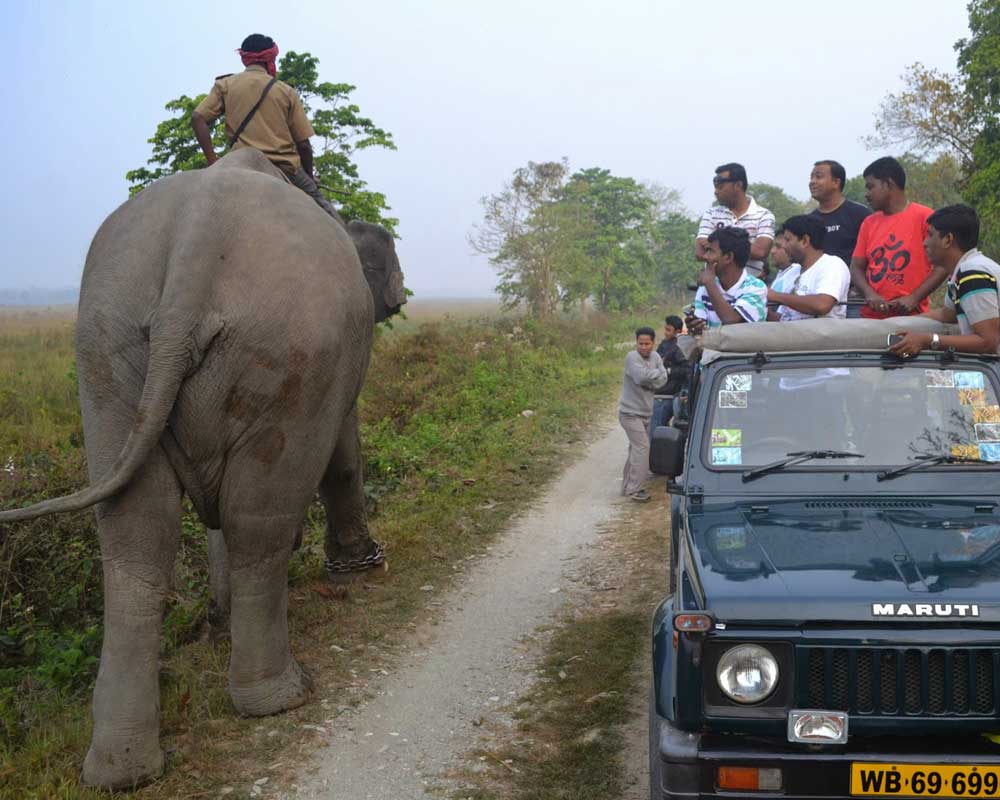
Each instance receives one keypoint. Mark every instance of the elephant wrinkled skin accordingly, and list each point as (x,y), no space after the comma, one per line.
(225,327)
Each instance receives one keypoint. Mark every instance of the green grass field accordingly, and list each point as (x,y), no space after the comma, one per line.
(449,459)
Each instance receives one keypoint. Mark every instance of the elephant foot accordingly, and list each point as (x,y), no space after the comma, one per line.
(122,763)
(344,567)
(291,689)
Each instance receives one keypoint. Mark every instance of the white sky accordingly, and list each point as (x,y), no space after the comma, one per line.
(662,91)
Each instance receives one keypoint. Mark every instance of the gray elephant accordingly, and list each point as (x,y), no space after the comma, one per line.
(225,327)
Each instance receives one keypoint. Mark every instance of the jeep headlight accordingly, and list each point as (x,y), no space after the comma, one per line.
(747,673)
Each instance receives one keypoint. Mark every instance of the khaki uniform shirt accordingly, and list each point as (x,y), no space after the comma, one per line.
(279,123)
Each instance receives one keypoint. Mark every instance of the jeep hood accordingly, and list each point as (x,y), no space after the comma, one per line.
(918,561)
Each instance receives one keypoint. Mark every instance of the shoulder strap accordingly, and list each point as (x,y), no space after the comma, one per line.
(249,116)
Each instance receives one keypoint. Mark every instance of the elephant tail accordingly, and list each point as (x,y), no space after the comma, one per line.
(170,361)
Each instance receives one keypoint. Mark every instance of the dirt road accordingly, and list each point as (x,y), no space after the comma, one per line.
(459,674)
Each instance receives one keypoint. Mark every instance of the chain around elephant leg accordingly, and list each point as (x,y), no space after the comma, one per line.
(340,566)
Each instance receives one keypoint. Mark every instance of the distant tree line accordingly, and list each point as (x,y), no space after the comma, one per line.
(560,239)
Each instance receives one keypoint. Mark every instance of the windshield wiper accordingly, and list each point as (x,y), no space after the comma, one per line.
(798,457)
(927,461)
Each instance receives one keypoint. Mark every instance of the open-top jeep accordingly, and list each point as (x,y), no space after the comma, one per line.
(833,622)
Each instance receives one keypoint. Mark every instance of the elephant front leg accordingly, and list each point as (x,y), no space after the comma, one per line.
(218,574)
(350,549)
(139,533)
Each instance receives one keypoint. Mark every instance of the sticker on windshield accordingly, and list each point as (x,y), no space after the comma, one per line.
(727,456)
(986,414)
(990,452)
(988,432)
(730,537)
(970,380)
(740,382)
(965,450)
(972,397)
(728,399)
(733,437)
(940,378)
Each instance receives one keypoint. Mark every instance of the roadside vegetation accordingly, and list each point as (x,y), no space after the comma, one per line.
(463,423)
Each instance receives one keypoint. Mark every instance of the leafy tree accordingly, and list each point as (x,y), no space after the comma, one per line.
(781,204)
(523,235)
(557,239)
(932,114)
(934,183)
(979,63)
(337,121)
(621,273)
(854,190)
(673,236)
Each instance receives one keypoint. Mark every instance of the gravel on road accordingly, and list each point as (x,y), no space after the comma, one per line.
(456,683)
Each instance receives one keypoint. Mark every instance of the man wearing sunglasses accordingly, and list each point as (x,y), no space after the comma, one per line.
(737,209)
(972,300)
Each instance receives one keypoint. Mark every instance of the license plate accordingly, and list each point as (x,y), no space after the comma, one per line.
(924,780)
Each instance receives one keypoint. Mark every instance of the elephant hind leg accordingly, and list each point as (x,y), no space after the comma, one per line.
(349,546)
(140,531)
(263,676)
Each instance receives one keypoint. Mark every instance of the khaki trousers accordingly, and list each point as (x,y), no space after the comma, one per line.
(636,471)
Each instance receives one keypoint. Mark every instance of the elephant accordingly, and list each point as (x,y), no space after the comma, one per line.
(224,331)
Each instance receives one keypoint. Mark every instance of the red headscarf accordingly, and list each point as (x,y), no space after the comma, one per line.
(265,57)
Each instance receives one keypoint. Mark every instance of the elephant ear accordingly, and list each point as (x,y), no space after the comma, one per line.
(377,252)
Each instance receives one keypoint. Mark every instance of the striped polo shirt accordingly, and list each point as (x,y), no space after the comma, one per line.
(756,221)
(973,290)
(748,297)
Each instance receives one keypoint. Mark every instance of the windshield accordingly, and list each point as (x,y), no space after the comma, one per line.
(892,416)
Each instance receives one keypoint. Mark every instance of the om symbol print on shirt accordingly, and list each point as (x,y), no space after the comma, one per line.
(890,257)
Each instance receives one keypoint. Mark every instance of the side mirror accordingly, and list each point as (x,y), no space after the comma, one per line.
(666,455)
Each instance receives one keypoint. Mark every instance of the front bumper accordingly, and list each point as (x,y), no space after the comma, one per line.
(685,765)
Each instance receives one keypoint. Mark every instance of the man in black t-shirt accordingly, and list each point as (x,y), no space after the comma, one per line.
(842,218)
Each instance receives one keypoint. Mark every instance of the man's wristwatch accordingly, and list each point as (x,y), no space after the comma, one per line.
(935,342)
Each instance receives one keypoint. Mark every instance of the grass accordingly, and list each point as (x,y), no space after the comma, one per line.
(450,457)
(573,727)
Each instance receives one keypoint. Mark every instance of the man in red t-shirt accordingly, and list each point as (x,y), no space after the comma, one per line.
(889,263)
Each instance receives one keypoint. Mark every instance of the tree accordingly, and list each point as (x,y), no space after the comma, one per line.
(672,245)
(524,236)
(338,124)
(933,114)
(979,63)
(778,201)
(620,269)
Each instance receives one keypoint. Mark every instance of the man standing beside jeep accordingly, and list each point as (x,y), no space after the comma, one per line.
(643,372)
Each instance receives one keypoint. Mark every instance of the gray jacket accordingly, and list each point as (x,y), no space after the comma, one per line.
(642,375)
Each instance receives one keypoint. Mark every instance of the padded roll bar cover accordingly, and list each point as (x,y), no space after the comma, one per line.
(816,334)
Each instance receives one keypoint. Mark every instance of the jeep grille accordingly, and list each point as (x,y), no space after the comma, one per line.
(899,681)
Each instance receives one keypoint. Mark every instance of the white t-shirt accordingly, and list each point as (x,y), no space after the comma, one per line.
(784,280)
(829,275)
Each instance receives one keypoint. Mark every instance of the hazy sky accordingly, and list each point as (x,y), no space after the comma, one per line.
(662,91)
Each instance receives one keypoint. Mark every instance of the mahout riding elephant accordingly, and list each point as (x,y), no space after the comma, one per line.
(224,331)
